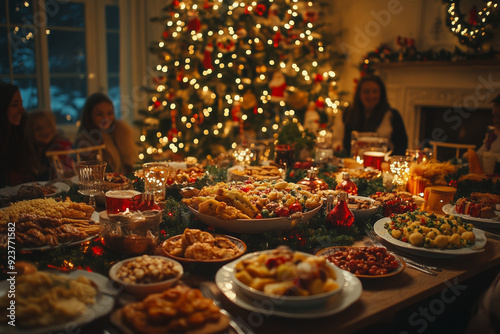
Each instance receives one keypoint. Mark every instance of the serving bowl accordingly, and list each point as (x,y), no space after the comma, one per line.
(147,287)
(286,301)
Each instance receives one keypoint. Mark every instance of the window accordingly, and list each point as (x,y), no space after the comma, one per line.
(59,52)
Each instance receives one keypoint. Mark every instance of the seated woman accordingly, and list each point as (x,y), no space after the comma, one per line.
(43,136)
(99,126)
(371,112)
(15,155)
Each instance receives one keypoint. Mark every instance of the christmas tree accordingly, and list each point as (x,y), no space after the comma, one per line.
(231,72)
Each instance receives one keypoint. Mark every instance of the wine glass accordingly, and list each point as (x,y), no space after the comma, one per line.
(91,177)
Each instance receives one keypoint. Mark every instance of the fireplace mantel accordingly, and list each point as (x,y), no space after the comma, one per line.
(468,85)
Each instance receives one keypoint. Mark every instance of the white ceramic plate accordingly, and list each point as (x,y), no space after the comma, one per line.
(364,213)
(312,301)
(349,294)
(430,252)
(12,191)
(332,250)
(484,222)
(104,304)
(254,225)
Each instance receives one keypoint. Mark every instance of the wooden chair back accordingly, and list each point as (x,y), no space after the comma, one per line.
(77,153)
(456,146)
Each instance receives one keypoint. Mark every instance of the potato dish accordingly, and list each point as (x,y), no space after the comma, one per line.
(428,230)
(253,200)
(283,272)
(45,299)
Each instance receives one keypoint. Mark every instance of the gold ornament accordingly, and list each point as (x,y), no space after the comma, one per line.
(249,100)
(298,99)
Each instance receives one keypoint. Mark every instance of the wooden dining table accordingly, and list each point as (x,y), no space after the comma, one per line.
(382,298)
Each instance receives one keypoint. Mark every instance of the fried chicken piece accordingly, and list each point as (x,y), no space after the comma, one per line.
(191,236)
(34,237)
(199,251)
(195,202)
(174,247)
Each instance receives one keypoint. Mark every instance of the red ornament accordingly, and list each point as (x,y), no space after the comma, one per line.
(157,104)
(166,34)
(207,56)
(261,9)
(341,215)
(347,185)
(318,78)
(473,16)
(97,251)
(277,39)
(194,24)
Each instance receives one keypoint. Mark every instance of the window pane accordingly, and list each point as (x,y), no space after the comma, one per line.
(68,95)
(113,52)
(114,94)
(112,17)
(21,11)
(4,52)
(65,15)
(67,52)
(29,92)
(23,51)
(3,13)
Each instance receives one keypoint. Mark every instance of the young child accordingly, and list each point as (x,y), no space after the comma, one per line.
(43,137)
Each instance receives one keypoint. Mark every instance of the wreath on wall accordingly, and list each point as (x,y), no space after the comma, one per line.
(479,26)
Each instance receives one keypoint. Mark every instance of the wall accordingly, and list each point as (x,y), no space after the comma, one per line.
(364,25)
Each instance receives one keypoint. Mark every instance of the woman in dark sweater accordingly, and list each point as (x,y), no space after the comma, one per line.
(371,112)
(15,155)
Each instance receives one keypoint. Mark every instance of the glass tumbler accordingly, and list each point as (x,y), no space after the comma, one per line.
(90,178)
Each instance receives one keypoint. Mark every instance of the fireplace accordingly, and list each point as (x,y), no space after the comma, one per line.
(452,126)
(454,97)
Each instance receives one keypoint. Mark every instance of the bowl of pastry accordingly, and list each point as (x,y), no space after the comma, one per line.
(196,246)
(288,278)
(146,274)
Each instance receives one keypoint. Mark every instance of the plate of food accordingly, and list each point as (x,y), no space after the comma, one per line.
(33,190)
(196,246)
(255,225)
(349,293)
(288,279)
(362,207)
(386,264)
(180,303)
(45,223)
(253,206)
(493,222)
(426,234)
(75,299)
(243,173)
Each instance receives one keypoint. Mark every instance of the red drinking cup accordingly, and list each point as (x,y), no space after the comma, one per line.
(122,200)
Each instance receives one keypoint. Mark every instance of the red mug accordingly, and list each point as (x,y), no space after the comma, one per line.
(122,200)
(373,159)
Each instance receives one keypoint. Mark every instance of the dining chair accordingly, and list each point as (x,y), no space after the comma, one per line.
(76,154)
(456,146)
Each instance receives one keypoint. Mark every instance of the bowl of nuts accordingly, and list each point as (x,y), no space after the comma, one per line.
(146,274)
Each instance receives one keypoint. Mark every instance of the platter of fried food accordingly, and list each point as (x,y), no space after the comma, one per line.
(202,247)
(32,190)
(260,173)
(253,206)
(179,309)
(47,302)
(426,234)
(46,223)
(292,278)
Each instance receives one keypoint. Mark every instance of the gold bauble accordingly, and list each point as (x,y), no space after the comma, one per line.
(298,99)
(249,100)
